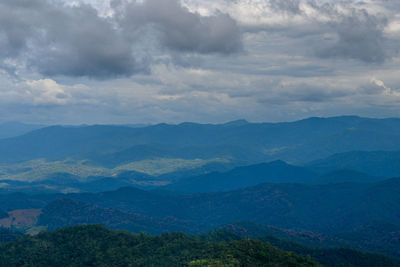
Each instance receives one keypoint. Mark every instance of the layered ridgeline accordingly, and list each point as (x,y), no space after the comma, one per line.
(367,214)
(189,181)
(377,163)
(324,208)
(272,172)
(98,158)
(200,177)
(95,245)
(300,141)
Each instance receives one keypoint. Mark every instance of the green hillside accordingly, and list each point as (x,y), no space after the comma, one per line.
(95,245)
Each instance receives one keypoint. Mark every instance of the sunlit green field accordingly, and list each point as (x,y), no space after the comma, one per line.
(41,169)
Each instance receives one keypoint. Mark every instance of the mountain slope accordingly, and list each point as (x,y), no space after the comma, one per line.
(377,163)
(329,254)
(273,172)
(68,212)
(324,208)
(375,237)
(12,129)
(346,176)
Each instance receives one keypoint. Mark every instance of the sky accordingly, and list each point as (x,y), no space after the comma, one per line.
(207,61)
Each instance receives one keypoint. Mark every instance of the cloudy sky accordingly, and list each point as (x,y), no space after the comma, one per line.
(150,61)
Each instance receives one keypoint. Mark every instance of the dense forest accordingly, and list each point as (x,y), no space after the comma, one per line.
(95,245)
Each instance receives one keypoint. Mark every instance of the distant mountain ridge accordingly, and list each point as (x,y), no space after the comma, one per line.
(13,129)
(300,141)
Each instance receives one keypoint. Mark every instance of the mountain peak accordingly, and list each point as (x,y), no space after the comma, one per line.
(239,122)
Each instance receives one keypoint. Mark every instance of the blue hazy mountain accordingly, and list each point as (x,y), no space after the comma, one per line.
(377,163)
(346,176)
(273,172)
(13,129)
(297,142)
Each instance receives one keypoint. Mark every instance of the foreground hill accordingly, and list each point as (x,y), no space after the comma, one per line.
(376,237)
(299,141)
(333,256)
(94,245)
(7,235)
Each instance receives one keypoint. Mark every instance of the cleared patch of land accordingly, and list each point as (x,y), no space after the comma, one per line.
(21,218)
(165,165)
(41,169)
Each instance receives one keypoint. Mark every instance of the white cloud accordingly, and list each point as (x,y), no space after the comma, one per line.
(47,91)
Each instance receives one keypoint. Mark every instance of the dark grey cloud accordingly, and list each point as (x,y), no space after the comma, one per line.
(304,93)
(57,39)
(331,29)
(181,29)
(358,36)
(288,6)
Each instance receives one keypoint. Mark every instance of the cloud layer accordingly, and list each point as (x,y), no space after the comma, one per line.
(122,61)
(74,40)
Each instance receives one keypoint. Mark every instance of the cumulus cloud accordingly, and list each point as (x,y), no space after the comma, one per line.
(160,60)
(47,91)
(74,40)
(378,87)
(332,29)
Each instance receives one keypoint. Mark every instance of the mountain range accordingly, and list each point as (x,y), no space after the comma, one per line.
(320,182)
(296,142)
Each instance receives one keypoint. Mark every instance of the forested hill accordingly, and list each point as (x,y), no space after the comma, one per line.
(95,245)
(321,208)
